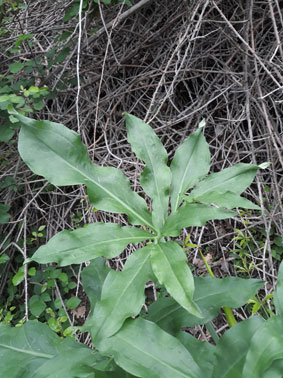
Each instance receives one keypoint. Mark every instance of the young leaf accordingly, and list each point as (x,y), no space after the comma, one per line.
(34,351)
(190,164)
(87,243)
(233,179)
(266,346)
(145,350)
(193,214)
(169,264)
(93,277)
(55,152)
(122,296)
(210,295)
(156,176)
(232,349)
(278,293)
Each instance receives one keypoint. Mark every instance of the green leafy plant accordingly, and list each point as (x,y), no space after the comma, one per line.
(153,344)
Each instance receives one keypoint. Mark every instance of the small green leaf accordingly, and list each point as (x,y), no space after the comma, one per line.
(278,241)
(32,271)
(36,305)
(16,67)
(63,277)
(45,297)
(54,324)
(4,258)
(73,303)
(71,12)
(38,105)
(18,278)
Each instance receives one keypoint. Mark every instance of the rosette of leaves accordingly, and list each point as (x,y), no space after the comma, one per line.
(182,195)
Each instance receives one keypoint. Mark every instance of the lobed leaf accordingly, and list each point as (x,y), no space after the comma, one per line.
(87,243)
(122,296)
(233,179)
(227,199)
(193,214)
(145,350)
(156,176)
(190,163)
(56,153)
(169,264)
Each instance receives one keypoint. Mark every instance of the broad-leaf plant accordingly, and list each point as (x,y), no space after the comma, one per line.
(128,342)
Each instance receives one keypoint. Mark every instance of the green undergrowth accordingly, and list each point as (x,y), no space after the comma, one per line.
(129,339)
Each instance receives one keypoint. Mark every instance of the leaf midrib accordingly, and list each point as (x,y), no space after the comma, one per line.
(25,351)
(211,189)
(152,356)
(180,190)
(129,283)
(106,242)
(82,173)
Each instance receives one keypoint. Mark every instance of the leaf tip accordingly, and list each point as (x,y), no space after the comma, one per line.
(264,165)
(202,123)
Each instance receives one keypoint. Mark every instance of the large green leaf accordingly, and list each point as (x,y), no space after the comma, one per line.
(193,214)
(230,180)
(169,264)
(122,296)
(232,348)
(210,295)
(93,277)
(266,346)
(278,293)
(145,350)
(202,352)
(191,162)
(87,243)
(55,152)
(34,351)
(156,176)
